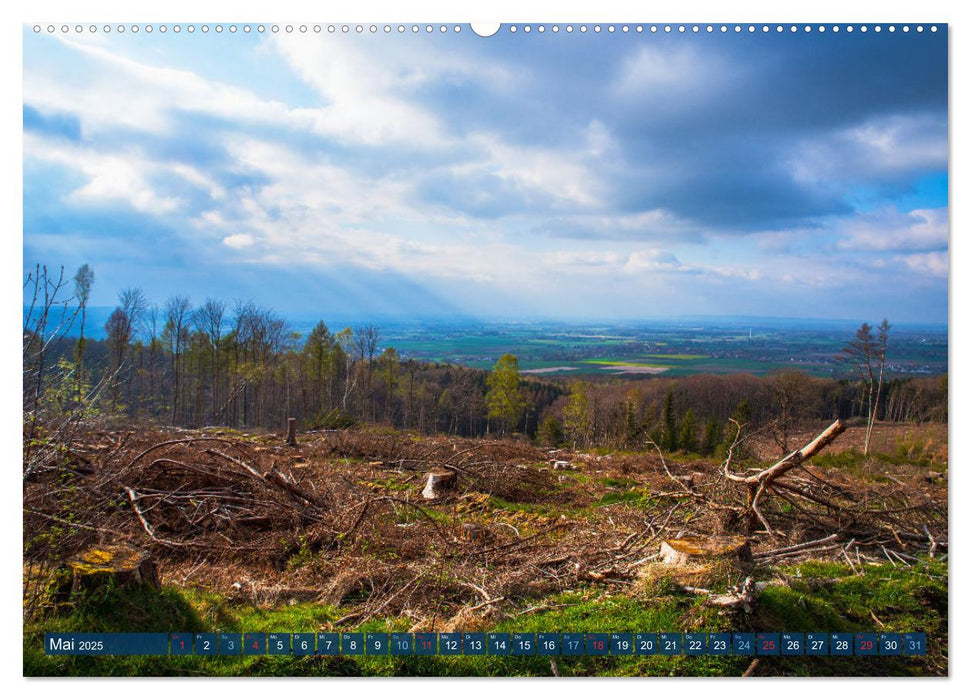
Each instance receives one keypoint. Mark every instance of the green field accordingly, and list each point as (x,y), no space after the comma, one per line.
(677,349)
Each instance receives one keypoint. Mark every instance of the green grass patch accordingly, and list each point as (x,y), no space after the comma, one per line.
(618,482)
(632,497)
(818,596)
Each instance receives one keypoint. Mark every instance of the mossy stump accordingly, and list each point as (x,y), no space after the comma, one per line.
(696,550)
(118,565)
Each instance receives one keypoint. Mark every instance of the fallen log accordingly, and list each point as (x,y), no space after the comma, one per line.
(742,596)
(757,483)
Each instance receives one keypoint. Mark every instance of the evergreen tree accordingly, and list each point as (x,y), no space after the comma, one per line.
(632,427)
(743,412)
(670,424)
(687,438)
(712,437)
(83,281)
(549,433)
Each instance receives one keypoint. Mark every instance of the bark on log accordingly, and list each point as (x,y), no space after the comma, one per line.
(437,484)
(796,458)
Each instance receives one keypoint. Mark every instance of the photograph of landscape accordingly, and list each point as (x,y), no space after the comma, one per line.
(379,334)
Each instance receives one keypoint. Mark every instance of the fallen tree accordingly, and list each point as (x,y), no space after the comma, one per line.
(757,484)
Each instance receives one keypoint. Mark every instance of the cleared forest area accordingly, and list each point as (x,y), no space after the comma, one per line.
(335,534)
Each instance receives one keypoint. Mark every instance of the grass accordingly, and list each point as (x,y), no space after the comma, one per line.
(616,482)
(854,462)
(820,596)
(636,497)
(544,509)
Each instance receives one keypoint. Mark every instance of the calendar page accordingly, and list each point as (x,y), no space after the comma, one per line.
(548,349)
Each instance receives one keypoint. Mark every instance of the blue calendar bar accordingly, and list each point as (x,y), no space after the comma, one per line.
(106,644)
(858,644)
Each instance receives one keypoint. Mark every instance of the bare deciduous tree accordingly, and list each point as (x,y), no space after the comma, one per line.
(176,334)
(790,394)
(869,354)
(209,321)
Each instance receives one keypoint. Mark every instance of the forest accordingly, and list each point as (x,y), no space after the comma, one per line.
(241,365)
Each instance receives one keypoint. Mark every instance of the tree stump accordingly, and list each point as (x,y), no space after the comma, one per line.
(124,566)
(292,432)
(691,481)
(474,533)
(694,550)
(437,484)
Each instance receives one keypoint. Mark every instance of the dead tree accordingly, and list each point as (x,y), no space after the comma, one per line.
(869,354)
(756,484)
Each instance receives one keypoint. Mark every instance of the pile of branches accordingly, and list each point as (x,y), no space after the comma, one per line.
(198,498)
(196,492)
(193,493)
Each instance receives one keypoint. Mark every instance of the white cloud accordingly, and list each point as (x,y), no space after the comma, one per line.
(933,264)
(362,104)
(654,260)
(239,240)
(642,226)
(901,142)
(563,177)
(317,213)
(669,68)
(582,258)
(891,230)
(883,146)
(111,177)
(144,97)
(599,139)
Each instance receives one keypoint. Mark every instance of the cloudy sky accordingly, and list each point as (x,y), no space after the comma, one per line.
(522,175)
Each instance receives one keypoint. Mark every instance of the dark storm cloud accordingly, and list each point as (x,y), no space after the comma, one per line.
(722,130)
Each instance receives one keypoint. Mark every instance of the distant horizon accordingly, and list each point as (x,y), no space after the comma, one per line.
(302,321)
